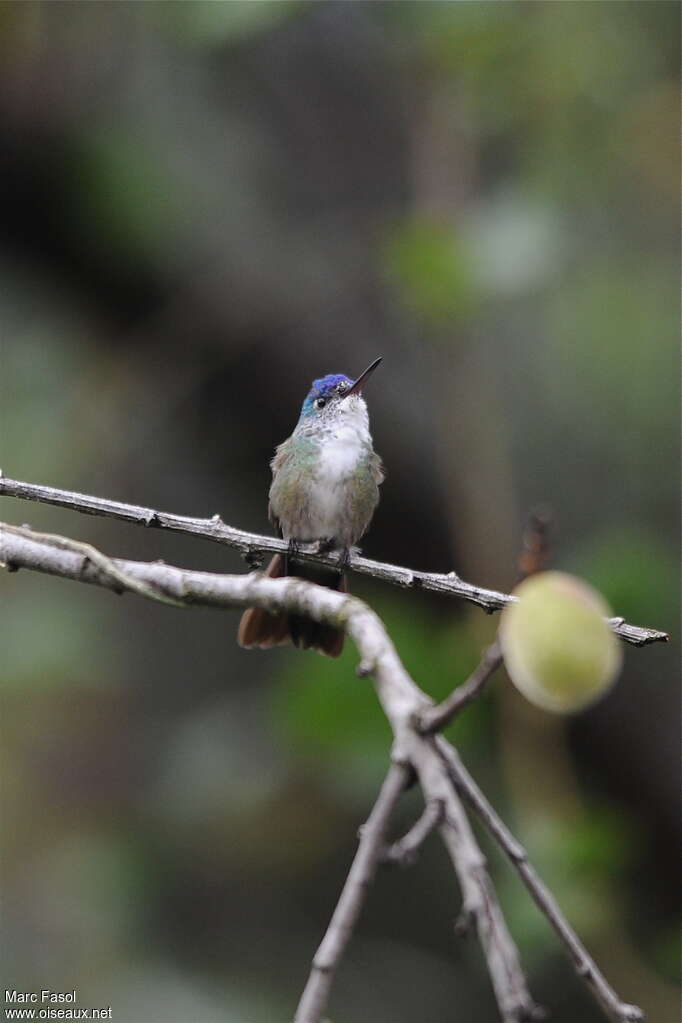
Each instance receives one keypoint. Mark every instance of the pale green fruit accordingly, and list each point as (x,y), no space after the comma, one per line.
(558,649)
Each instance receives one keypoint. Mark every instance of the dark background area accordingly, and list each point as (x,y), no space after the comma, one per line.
(204,206)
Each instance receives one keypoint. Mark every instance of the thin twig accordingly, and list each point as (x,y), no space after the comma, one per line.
(316,992)
(433,719)
(252,545)
(404,850)
(532,558)
(585,966)
(535,547)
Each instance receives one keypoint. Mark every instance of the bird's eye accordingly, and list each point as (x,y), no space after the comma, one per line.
(319,402)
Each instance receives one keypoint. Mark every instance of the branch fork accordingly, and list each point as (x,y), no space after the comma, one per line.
(404,851)
(415,721)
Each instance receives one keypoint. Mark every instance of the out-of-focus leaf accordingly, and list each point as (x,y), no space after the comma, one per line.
(210,23)
(597,844)
(88,885)
(579,859)
(665,951)
(430,267)
(53,636)
(126,194)
(612,339)
(516,244)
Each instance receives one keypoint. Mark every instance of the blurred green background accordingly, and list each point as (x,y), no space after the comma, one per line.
(204,206)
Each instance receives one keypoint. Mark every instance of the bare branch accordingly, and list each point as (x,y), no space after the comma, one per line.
(316,992)
(252,545)
(585,966)
(119,579)
(438,767)
(480,907)
(532,559)
(404,851)
(434,718)
(400,698)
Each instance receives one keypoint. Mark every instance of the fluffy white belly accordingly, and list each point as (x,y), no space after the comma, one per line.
(338,462)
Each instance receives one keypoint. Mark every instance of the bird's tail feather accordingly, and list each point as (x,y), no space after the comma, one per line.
(259,628)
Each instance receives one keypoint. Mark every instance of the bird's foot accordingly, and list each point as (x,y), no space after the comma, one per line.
(344,558)
(292,551)
(329,544)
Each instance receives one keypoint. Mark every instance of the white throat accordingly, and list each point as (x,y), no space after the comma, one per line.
(345,439)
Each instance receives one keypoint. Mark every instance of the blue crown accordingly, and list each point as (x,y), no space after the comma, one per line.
(323,388)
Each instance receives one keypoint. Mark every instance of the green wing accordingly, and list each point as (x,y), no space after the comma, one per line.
(290,466)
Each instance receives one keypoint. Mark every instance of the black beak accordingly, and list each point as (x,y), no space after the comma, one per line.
(357,384)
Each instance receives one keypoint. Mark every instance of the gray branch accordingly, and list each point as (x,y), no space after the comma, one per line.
(252,545)
(584,965)
(480,907)
(441,774)
(433,719)
(404,850)
(316,992)
(400,698)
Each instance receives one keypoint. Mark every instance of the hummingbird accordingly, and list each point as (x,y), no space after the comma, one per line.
(325,488)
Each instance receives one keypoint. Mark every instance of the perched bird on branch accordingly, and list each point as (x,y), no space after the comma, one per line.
(325,488)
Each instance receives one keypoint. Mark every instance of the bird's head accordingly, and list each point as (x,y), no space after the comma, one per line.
(328,395)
